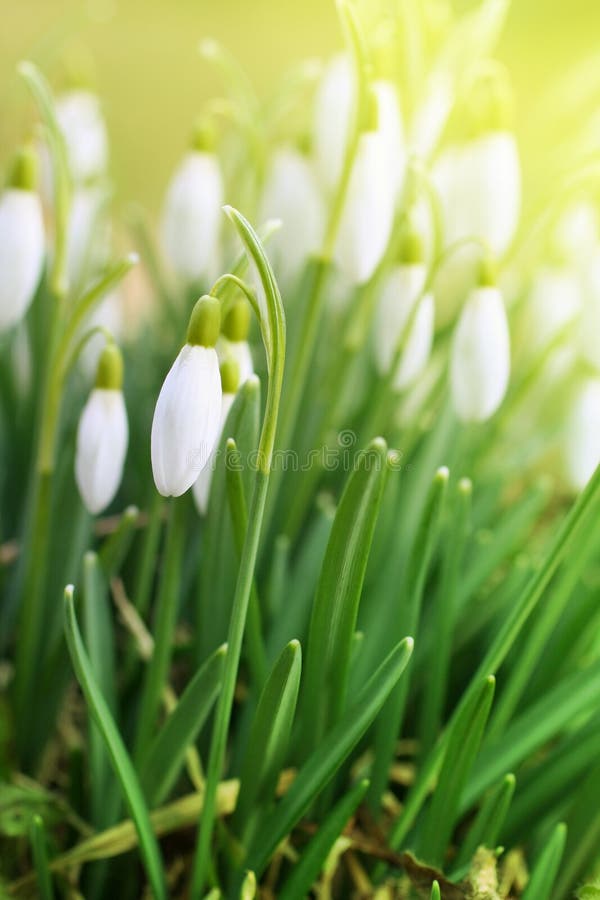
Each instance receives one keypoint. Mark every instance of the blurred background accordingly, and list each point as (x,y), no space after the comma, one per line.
(152,80)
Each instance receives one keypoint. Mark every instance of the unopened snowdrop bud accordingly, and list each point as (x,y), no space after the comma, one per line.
(187,417)
(582,436)
(233,342)
(480,355)
(368,213)
(21,240)
(230,382)
(102,434)
(291,194)
(192,213)
(80,119)
(403,288)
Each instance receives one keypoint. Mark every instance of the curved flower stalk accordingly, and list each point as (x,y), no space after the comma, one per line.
(22,248)
(582,433)
(230,382)
(102,434)
(480,355)
(233,340)
(192,213)
(187,417)
(405,318)
(82,125)
(291,194)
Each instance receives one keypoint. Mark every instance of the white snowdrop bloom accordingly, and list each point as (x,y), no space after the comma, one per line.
(80,119)
(187,417)
(230,383)
(88,233)
(582,434)
(368,213)
(107,314)
(479,184)
(402,289)
(21,241)
(191,221)
(589,340)
(391,128)
(102,435)
(431,116)
(333,111)
(577,232)
(555,301)
(480,356)
(292,195)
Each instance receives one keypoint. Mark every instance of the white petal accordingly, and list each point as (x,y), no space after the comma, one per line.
(555,301)
(590,317)
(291,194)
(201,486)
(418,344)
(400,290)
(582,440)
(80,120)
(192,217)
(333,108)
(102,437)
(480,357)
(368,213)
(241,353)
(391,128)
(186,420)
(577,231)
(431,116)
(21,253)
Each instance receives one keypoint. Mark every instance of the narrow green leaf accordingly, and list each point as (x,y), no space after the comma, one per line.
(248,888)
(335,607)
(37,837)
(463,746)
(165,754)
(435,891)
(327,758)
(116,546)
(269,738)
(122,765)
(307,869)
(486,827)
(582,818)
(543,876)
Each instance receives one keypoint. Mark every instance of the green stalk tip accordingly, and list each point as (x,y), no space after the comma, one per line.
(205,322)
(109,374)
(23,173)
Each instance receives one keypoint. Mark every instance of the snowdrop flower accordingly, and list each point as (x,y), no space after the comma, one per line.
(187,418)
(577,232)
(21,240)
(233,341)
(368,213)
(292,195)
(80,120)
(230,382)
(391,128)
(102,434)
(480,355)
(582,436)
(108,314)
(192,213)
(403,288)
(87,233)
(333,111)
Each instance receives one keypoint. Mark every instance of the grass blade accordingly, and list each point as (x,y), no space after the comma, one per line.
(485,829)
(165,755)
(324,762)
(543,876)
(37,837)
(306,870)
(122,765)
(115,548)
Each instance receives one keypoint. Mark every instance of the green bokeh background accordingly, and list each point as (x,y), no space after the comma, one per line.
(153,81)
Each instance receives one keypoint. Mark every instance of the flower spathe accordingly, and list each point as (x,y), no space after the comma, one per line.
(102,436)
(187,417)
(582,435)
(403,288)
(22,247)
(480,356)
(192,217)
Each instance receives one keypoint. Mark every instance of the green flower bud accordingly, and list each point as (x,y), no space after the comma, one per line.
(411,249)
(110,368)
(205,322)
(23,173)
(204,135)
(237,321)
(487,271)
(230,375)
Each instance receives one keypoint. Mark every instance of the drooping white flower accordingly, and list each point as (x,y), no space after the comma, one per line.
(368,212)
(107,314)
(402,289)
(21,241)
(292,195)
(391,128)
(480,356)
(192,214)
(333,111)
(582,434)
(102,435)
(187,416)
(431,116)
(80,119)
(230,384)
